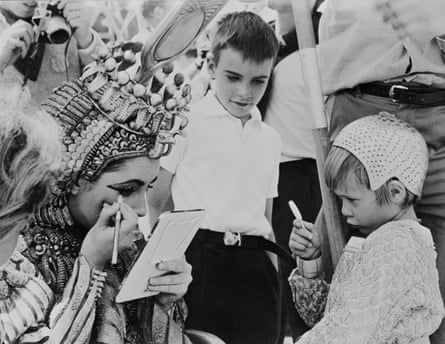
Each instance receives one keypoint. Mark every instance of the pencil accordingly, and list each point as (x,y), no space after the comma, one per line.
(117,228)
(293,207)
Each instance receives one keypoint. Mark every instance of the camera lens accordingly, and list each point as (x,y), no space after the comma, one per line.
(58,30)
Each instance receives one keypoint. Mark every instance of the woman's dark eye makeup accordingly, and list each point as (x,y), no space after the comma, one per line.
(126,188)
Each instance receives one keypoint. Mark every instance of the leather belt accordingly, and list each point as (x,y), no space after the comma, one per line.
(235,239)
(406,93)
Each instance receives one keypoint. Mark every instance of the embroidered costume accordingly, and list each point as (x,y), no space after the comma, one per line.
(53,295)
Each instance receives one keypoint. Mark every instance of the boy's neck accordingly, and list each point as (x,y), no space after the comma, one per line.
(243,119)
(406,214)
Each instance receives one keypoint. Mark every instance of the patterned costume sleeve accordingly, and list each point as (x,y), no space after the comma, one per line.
(167,327)
(309,296)
(71,320)
(138,321)
(391,294)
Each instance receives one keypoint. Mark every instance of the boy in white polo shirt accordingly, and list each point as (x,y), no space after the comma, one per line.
(228,165)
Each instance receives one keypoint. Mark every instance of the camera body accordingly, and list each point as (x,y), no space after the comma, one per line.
(50,21)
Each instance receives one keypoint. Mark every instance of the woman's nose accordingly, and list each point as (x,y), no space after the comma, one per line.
(137,203)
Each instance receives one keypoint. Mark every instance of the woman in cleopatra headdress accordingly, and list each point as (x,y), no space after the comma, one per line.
(112,137)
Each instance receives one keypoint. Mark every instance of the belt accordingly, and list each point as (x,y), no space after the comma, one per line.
(406,93)
(235,239)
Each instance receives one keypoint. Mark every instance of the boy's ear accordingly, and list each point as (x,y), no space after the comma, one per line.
(211,65)
(397,191)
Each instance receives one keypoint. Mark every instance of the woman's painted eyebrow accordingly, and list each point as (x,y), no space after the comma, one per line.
(130,181)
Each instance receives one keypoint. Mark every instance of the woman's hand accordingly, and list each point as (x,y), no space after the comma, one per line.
(97,246)
(304,240)
(79,17)
(174,284)
(14,42)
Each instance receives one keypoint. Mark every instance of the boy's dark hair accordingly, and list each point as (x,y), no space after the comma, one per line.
(247,33)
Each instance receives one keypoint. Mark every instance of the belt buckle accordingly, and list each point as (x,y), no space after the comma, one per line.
(232,238)
(392,89)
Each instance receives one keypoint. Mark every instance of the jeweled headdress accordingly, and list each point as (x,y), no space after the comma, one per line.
(106,115)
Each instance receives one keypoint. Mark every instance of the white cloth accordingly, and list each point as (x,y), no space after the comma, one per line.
(287,111)
(356,47)
(225,168)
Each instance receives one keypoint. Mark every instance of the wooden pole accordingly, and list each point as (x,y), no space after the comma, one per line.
(312,80)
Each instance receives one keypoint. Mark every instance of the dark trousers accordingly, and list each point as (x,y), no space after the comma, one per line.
(299,182)
(235,293)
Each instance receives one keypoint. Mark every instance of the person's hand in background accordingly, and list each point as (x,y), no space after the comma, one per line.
(79,17)
(14,42)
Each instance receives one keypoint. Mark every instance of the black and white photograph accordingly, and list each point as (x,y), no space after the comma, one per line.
(222,171)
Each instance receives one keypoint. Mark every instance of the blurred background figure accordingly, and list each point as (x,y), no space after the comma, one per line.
(42,56)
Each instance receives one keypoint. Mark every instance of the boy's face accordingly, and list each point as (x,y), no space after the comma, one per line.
(360,207)
(21,8)
(239,84)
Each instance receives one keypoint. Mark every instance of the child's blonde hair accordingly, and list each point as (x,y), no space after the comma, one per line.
(341,166)
(30,154)
(376,150)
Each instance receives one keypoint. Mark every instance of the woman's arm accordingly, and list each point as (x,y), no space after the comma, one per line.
(72,319)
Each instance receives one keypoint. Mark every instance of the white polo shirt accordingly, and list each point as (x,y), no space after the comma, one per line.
(225,168)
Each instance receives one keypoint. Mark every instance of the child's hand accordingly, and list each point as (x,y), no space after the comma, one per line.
(15,42)
(97,246)
(79,17)
(304,241)
(174,284)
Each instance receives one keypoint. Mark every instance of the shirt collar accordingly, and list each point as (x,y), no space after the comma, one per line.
(211,102)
